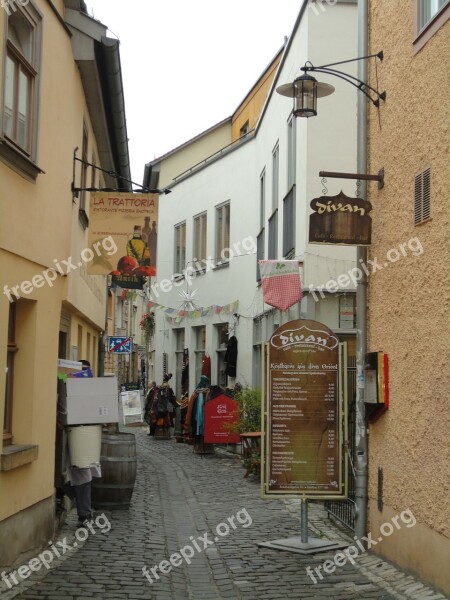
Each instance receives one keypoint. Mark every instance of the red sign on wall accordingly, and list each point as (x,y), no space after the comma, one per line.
(219,412)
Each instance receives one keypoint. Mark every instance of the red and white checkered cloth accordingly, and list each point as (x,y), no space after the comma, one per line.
(281,282)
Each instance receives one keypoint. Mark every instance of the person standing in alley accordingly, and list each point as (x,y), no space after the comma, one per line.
(79,481)
(149,413)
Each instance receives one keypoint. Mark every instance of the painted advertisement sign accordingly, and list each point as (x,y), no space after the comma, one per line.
(219,412)
(303,447)
(130,220)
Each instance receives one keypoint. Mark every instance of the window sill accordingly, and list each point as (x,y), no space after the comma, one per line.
(84,220)
(428,31)
(17,161)
(15,456)
(221,265)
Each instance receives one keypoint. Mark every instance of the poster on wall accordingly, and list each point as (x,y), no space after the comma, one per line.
(304,434)
(123,236)
(340,220)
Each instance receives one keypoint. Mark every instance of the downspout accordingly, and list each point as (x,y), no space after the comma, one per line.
(361,459)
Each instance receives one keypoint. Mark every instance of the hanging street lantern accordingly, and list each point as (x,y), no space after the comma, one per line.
(305,90)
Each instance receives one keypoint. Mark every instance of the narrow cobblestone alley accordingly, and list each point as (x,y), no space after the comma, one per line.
(178,498)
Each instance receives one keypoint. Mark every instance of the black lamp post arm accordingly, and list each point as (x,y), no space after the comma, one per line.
(360,85)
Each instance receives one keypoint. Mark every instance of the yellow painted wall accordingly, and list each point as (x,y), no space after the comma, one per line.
(193,153)
(251,107)
(38,225)
(409,300)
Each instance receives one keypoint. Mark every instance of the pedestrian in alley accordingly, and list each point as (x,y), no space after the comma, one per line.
(79,483)
(149,411)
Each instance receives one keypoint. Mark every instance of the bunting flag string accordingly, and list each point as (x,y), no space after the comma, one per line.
(176,316)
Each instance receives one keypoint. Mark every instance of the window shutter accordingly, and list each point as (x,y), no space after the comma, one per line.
(422,196)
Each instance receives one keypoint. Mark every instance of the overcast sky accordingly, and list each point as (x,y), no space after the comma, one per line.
(187,64)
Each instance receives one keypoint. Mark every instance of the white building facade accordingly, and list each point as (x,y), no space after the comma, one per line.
(250,201)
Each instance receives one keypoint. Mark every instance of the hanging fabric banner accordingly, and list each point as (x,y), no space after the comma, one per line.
(281,282)
(175,316)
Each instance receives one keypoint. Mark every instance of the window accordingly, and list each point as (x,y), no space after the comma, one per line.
(244,130)
(273,236)
(291,153)
(430,15)
(200,240)
(257,341)
(179,348)
(262,199)
(180,248)
(422,196)
(222,341)
(93,170)
(223,234)
(9,388)
(275,176)
(200,349)
(260,241)
(289,224)
(20,99)
(428,9)
(83,183)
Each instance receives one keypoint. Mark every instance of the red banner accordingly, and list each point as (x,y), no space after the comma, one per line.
(218,412)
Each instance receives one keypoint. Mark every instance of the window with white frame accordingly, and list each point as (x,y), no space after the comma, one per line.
(260,241)
(275,176)
(200,349)
(222,341)
(200,240)
(223,234)
(428,9)
(21,70)
(257,346)
(273,237)
(289,223)
(262,199)
(180,247)
(291,154)
(179,349)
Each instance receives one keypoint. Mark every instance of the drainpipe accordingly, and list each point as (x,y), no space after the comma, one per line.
(361,293)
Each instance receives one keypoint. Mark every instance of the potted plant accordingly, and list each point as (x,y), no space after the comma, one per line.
(249,421)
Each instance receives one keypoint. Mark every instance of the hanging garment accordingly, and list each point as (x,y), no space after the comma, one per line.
(206,366)
(199,414)
(231,356)
(281,282)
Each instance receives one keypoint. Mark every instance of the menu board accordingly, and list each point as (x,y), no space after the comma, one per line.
(304,441)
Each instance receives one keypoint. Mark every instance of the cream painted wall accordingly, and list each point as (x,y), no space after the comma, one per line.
(34,409)
(39,225)
(409,300)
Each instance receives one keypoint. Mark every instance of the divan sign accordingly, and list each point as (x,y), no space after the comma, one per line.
(340,220)
(303,336)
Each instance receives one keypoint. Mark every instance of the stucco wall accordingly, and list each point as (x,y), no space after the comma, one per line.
(409,299)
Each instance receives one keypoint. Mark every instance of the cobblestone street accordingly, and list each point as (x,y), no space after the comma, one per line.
(178,498)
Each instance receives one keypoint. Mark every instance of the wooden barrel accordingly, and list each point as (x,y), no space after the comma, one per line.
(114,489)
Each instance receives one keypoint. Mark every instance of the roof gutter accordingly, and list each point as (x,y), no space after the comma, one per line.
(115,102)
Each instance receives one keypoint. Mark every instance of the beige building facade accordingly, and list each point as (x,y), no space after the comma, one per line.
(54,105)
(409,296)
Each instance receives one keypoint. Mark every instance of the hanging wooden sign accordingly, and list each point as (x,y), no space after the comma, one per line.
(340,220)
